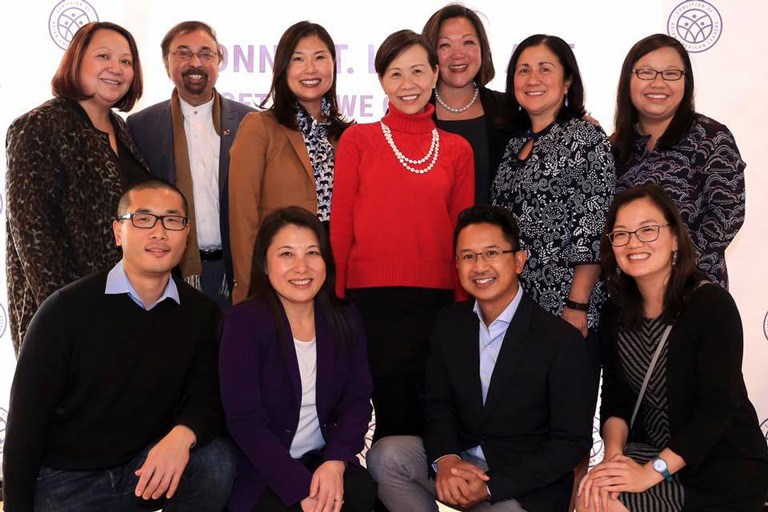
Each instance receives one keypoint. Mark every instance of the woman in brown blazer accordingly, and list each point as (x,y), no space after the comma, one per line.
(284,156)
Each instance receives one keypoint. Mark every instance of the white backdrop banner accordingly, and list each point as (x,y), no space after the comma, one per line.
(727,41)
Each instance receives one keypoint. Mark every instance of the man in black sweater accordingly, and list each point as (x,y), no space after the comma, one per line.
(115,395)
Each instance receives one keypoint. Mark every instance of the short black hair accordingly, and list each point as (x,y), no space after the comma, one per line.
(397,43)
(494,215)
(152,183)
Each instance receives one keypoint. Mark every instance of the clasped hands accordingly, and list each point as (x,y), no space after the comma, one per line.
(460,483)
(615,474)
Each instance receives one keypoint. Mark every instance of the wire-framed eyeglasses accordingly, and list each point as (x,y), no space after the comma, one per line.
(488,255)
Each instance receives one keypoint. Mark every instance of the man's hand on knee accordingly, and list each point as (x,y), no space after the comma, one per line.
(161,472)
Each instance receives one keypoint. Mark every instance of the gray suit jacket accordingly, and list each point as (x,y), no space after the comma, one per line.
(152,130)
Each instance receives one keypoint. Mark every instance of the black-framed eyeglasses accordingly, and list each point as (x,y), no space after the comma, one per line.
(148,220)
(644,234)
(670,75)
(186,54)
(488,255)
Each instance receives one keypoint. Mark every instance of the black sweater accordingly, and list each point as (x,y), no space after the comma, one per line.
(99,378)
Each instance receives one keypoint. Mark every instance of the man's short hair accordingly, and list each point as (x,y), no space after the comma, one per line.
(494,215)
(185,27)
(152,183)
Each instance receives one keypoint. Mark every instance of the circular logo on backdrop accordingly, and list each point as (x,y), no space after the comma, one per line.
(596,453)
(696,24)
(67,18)
(3,420)
(765,326)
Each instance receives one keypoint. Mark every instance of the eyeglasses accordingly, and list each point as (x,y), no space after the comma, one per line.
(488,255)
(186,54)
(670,75)
(644,234)
(148,221)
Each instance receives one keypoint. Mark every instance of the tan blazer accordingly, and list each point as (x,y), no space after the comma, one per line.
(269,169)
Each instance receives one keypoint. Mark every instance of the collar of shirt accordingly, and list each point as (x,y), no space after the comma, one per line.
(118,282)
(502,321)
(190,111)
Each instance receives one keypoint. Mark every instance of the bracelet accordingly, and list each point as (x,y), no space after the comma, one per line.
(578,306)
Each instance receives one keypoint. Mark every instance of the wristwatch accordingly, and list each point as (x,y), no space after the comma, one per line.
(578,306)
(660,466)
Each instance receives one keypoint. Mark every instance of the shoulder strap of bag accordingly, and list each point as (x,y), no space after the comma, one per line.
(647,378)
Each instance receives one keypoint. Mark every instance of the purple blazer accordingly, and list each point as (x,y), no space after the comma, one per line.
(261,396)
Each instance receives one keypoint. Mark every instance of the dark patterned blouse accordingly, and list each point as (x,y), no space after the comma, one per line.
(62,186)
(321,155)
(559,195)
(704,176)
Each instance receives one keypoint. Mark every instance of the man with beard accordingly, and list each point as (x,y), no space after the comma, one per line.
(186,141)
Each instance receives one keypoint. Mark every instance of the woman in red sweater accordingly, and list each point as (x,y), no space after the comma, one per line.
(399,187)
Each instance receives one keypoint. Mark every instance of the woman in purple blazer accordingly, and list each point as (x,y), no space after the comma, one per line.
(294,376)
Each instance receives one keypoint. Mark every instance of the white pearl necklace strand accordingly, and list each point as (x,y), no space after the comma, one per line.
(434,149)
(460,109)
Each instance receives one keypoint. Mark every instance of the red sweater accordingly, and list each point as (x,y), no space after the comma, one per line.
(390,226)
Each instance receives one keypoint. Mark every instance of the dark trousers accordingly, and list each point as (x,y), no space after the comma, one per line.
(359,491)
(398,322)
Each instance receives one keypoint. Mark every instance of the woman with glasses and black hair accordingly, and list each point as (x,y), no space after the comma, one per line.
(678,428)
(660,138)
(69,161)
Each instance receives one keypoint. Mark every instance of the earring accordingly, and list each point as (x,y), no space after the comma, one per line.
(674,258)
(519,108)
(566,101)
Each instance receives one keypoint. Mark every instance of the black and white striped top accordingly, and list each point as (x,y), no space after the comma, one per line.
(636,348)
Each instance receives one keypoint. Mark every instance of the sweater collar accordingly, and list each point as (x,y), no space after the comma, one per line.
(415,123)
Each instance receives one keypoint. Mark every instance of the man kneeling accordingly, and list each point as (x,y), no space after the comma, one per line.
(507,394)
(115,400)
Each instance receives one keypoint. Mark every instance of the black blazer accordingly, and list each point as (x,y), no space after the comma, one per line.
(536,424)
(713,425)
(152,129)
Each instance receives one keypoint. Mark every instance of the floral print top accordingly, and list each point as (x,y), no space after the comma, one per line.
(559,195)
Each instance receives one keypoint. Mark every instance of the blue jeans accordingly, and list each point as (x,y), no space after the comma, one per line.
(204,486)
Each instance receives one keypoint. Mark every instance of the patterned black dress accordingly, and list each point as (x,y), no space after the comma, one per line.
(636,349)
(704,176)
(559,195)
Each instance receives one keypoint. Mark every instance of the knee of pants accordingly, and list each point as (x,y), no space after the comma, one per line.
(396,454)
(215,463)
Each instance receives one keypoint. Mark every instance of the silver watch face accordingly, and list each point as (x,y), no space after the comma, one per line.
(659,465)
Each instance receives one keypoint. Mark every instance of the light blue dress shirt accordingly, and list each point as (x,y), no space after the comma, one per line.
(491,338)
(117,283)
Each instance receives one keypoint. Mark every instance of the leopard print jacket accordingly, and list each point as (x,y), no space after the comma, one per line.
(62,187)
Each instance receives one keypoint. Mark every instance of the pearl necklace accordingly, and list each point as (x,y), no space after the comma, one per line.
(434,149)
(460,109)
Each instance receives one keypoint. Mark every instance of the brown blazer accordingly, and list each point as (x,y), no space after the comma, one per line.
(269,169)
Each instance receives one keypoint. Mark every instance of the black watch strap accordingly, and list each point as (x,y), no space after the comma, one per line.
(578,306)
